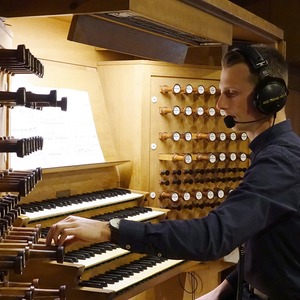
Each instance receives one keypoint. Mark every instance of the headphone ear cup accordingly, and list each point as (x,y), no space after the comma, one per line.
(270,95)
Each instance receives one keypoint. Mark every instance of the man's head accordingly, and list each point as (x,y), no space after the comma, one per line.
(268,72)
(252,87)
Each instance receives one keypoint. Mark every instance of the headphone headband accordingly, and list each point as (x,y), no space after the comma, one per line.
(270,94)
(255,59)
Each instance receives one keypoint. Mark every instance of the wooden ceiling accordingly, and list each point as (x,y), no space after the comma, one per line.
(285,15)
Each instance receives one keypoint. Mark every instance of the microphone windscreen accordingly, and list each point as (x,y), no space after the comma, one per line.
(229,121)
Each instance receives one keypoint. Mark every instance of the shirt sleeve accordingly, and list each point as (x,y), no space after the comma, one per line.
(247,211)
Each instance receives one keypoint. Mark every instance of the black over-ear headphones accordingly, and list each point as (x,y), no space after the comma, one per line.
(271,93)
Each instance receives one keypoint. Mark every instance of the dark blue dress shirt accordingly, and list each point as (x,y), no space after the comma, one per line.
(262,213)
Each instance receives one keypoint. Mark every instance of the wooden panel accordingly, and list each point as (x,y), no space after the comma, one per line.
(133,109)
(54,44)
(246,24)
(16,8)
(223,10)
(284,14)
(177,14)
(73,182)
(193,124)
(50,274)
(96,31)
(187,20)
(127,103)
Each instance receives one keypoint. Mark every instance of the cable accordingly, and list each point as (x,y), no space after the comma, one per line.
(194,277)
(239,294)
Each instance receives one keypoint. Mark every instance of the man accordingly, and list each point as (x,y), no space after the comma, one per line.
(262,213)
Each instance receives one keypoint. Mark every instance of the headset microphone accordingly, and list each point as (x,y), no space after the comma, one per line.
(230,121)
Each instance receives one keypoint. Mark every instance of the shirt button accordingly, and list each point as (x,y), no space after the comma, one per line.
(159,255)
(127,247)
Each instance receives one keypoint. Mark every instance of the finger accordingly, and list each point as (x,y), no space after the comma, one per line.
(71,240)
(56,230)
(67,236)
(51,235)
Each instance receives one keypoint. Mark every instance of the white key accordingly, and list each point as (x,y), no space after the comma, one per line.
(111,254)
(103,257)
(73,208)
(137,277)
(145,216)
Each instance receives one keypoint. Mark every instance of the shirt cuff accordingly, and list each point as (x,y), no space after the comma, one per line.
(131,236)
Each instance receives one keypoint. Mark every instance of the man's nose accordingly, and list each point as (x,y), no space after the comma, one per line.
(220,102)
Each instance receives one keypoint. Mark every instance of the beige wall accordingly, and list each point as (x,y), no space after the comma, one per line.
(67,65)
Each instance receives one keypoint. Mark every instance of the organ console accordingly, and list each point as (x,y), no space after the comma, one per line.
(195,185)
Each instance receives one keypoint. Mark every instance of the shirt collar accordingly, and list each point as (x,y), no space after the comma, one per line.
(268,136)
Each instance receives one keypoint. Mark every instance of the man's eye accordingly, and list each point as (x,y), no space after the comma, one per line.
(230,94)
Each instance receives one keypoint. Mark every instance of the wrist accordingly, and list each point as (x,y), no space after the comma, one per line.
(105,234)
(114,229)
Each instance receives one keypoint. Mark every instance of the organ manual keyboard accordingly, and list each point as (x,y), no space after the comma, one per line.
(55,198)
(130,279)
(38,211)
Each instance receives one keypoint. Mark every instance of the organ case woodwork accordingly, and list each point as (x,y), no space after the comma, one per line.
(134,110)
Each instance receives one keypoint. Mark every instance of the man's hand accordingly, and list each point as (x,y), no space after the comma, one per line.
(77,229)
